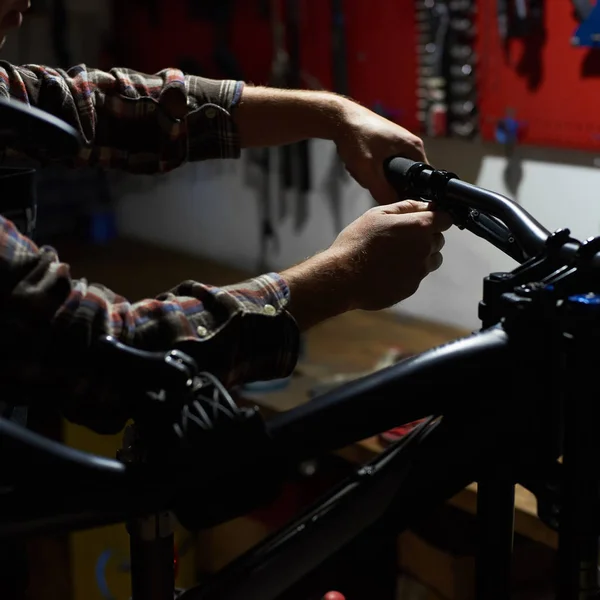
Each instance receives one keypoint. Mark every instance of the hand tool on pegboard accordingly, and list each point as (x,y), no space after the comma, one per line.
(280,66)
(338,175)
(296,157)
(507,134)
(461,65)
(524,20)
(262,163)
(448,62)
(588,30)
(561,111)
(433,20)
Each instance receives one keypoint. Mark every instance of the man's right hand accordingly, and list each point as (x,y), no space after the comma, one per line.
(378,260)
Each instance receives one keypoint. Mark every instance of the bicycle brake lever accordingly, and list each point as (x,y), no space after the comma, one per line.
(172,371)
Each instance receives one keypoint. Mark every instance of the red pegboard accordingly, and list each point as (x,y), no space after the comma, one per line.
(381,44)
(382,57)
(316,50)
(563,110)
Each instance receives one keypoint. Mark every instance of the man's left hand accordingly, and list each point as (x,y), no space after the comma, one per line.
(366,140)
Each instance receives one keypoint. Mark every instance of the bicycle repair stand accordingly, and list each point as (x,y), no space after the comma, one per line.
(151,540)
(553,311)
(152,537)
(182,415)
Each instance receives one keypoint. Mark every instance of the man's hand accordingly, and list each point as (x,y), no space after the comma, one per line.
(390,250)
(365,140)
(270,117)
(377,261)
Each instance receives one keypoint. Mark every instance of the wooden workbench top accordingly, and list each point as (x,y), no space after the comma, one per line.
(350,343)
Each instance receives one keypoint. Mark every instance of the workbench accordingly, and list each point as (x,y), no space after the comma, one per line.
(350,343)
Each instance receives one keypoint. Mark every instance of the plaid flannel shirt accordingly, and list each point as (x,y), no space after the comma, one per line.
(240,333)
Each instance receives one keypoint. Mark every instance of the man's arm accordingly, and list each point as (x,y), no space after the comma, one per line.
(49,321)
(244,332)
(154,123)
(132,121)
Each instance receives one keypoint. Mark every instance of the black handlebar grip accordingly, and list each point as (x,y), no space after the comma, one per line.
(396,170)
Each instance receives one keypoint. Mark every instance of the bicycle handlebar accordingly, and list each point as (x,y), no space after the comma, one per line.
(469,203)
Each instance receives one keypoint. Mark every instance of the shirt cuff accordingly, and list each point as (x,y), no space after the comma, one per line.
(270,342)
(258,340)
(212,131)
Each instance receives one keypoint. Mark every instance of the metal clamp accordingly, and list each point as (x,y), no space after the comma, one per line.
(587,251)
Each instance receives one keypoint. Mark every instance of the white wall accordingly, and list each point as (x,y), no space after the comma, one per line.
(208,210)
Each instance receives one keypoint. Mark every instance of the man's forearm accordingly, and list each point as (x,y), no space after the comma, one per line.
(319,289)
(273,117)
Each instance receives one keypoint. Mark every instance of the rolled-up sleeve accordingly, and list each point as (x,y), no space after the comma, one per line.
(50,321)
(127,119)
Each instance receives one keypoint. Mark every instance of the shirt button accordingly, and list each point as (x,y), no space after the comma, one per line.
(202,331)
(270,310)
(211,113)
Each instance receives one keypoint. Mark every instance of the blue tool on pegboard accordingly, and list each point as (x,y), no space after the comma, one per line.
(507,131)
(587,34)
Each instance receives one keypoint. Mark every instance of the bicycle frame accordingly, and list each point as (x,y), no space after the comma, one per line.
(407,481)
(540,319)
(422,470)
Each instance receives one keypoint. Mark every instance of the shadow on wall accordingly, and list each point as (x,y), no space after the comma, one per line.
(466,159)
(458,157)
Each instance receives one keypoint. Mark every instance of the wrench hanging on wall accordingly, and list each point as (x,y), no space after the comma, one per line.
(433,21)
(280,66)
(337,174)
(447,90)
(296,157)
(267,159)
(461,65)
(524,20)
